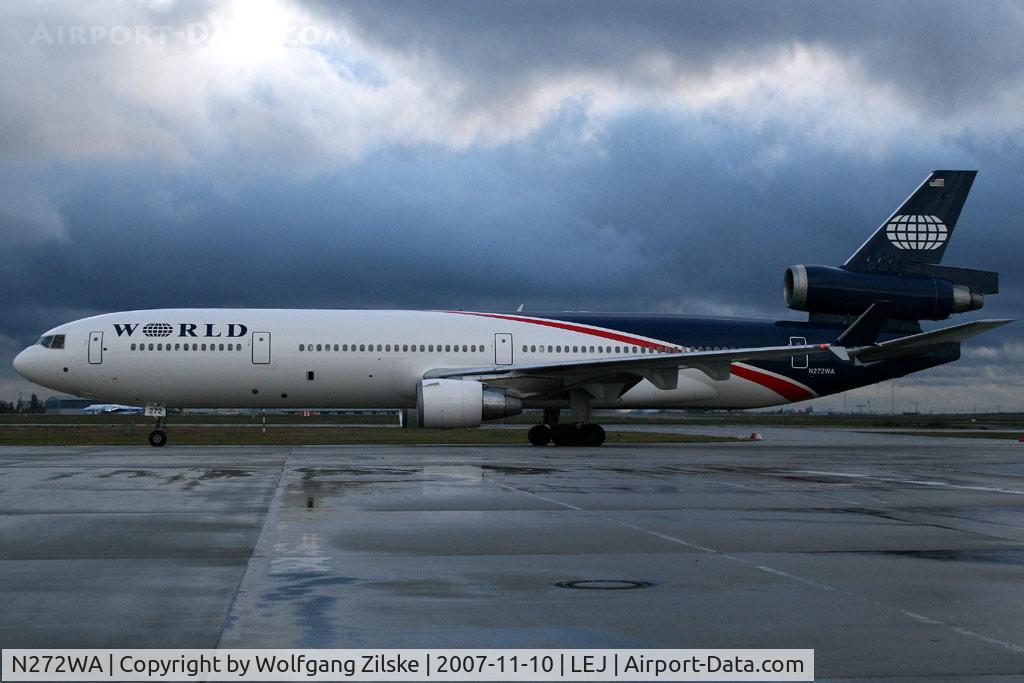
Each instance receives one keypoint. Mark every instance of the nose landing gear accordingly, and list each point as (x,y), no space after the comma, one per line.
(157,437)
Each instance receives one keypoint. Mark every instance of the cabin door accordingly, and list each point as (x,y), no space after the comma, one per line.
(95,348)
(798,362)
(503,349)
(260,348)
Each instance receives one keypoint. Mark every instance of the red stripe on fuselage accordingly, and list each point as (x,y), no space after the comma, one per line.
(783,387)
(572,328)
(780,386)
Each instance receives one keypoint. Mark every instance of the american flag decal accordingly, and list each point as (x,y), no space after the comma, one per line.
(938,182)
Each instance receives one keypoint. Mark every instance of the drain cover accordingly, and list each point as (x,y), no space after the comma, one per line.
(604,584)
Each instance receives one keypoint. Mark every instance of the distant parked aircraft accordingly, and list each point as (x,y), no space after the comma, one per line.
(106,408)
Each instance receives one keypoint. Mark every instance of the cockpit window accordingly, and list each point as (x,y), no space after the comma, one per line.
(52,341)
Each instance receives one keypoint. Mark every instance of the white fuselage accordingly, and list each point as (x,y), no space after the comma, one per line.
(257,358)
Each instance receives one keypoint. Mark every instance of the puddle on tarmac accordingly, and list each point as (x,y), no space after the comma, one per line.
(64,475)
(314,472)
(294,585)
(1009,556)
(188,478)
(131,474)
(224,474)
(314,612)
(512,470)
(320,483)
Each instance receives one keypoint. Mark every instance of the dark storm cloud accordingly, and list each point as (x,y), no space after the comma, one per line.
(946,56)
(329,179)
(654,218)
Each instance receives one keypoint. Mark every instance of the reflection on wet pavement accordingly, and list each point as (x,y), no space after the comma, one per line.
(846,544)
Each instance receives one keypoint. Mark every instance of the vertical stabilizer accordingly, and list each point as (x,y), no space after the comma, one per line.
(919,230)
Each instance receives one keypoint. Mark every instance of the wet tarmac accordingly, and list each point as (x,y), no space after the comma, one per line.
(891,556)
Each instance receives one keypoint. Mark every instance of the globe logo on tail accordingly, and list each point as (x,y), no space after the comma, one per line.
(916,232)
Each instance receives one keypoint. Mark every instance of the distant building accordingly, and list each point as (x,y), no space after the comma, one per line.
(57,405)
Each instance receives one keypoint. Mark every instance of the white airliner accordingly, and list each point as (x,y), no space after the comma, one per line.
(458,368)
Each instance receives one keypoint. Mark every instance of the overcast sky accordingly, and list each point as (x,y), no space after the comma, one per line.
(670,157)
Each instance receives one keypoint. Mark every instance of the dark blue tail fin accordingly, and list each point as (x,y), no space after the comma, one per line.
(919,231)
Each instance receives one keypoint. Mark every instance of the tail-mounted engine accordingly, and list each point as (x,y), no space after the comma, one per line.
(449,403)
(897,269)
(924,296)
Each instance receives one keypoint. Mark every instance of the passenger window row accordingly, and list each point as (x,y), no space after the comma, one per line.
(185,347)
(532,348)
(395,348)
(58,342)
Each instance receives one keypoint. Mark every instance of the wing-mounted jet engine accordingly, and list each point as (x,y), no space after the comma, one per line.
(450,403)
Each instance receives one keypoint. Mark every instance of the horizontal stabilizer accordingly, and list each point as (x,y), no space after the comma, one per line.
(915,342)
(979,281)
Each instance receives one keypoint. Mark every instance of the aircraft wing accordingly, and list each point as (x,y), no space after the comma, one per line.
(906,345)
(611,377)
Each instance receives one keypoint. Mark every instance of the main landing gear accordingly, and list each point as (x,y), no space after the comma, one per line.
(565,433)
(157,437)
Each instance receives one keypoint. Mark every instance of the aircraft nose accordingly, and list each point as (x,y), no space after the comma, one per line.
(23,364)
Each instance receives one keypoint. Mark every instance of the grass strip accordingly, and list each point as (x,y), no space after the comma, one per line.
(184,435)
(958,434)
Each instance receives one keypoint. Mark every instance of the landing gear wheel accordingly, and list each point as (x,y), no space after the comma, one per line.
(157,438)
(591,435)
(540,435)
(563,434)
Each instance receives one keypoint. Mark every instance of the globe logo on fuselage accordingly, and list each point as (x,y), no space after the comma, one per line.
(157,329)
(921,233)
